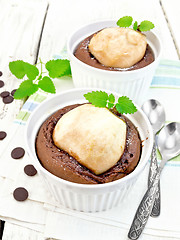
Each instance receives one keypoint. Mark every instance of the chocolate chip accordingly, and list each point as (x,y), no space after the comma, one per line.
(131,155)
(8,99)
(30,170)
(20,194)
(13,92)
(17,153)
(2,135)
(2,223)
(1,83)
(4,94)
(1,73)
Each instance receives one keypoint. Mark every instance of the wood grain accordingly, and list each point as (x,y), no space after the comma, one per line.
(64,17)
(171,10)
(20,27)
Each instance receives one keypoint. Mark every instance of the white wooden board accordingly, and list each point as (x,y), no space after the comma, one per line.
(20,27)
(171,9)
(66,16)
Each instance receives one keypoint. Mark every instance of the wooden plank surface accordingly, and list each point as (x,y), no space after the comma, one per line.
(16,232)
(20,27)
(66,16)
(171,10)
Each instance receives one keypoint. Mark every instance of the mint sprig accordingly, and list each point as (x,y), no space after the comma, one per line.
(127,21)
(102,99)
(36,79)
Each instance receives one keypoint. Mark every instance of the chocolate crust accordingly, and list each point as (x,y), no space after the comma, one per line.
(83,54)
(64,166)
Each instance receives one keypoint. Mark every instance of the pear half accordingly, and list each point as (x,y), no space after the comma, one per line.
(94,136)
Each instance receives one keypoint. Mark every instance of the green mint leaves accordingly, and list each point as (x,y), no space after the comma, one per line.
(135,25)
(38,80)
(127,21)
(125,105)
(58,68)
(102,99)
(98,99)
(47,85)
(25,89)
(20,69)
(146,26)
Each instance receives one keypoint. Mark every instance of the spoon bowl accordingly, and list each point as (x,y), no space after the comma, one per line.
(155,113)
(169,140)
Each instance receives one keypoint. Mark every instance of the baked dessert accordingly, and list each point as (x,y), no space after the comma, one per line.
(115,49)
(69,163)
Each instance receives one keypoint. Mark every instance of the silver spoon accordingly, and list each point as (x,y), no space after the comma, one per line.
(156,115)
(169,146)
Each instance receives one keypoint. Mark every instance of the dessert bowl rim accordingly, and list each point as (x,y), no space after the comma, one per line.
(71,53)
(37,163)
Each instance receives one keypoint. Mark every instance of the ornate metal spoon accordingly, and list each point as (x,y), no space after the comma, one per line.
(156,115)
(169,146)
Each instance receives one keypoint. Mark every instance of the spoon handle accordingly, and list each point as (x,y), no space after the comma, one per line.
(152,172)
(144,210)
(145,207)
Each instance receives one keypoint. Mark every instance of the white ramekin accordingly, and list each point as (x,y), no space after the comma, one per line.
(85,197)
(133,84)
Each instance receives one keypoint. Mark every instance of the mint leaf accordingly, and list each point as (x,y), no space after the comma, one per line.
(135,25)
(31,71)
(110,105)
(47,85)
(17,68)
(125,21)
(25,89)
(68,69)
(111,98)
(98,98)
(58,68)
(146,26)
(20,68)
(125,105)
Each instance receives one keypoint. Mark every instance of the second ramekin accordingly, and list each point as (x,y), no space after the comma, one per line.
(133,84)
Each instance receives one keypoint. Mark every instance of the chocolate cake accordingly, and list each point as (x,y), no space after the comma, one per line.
(83,54)
(64,166)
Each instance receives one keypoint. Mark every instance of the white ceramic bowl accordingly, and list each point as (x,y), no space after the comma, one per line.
(133,84)
(85,197)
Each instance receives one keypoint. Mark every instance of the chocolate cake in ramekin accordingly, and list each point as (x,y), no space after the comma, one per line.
(84,55)
(62,165)
(87,72)
(84,197)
